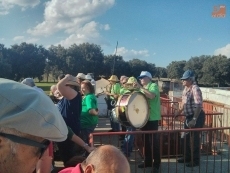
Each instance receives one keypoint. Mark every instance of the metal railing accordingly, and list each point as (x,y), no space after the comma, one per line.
(214,150)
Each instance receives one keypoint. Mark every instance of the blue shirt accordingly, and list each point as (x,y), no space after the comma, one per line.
(71,112)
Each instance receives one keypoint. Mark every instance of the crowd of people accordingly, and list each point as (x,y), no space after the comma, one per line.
(31,122)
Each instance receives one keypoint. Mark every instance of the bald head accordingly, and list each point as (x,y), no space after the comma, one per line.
(53,88)
(106,159)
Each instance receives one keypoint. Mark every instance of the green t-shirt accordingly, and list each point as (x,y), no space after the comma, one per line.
(123,91)
(154,104)
(88,102)
(115,89)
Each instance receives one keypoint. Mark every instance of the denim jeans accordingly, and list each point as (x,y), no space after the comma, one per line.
(127,146)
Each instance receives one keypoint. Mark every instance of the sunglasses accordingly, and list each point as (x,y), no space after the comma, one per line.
(43,145)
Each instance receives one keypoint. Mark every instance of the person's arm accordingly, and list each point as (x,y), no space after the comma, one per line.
(66,91)
(115,92)
(151,93)
(197,96)
(91,104)
(147,93)
(79,141)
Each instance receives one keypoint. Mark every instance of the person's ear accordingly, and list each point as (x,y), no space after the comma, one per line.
(89,169)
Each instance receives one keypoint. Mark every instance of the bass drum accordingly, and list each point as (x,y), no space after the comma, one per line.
(132,110)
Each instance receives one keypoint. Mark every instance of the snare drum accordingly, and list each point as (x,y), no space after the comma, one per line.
(132,109)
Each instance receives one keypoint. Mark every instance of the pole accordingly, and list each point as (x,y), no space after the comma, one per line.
(114,58)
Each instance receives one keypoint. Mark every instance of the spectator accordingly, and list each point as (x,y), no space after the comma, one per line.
(92,81)
(192,102)
(28,122)
(30,82)
(80,77)
(70,107)
(104,159)
(89,114)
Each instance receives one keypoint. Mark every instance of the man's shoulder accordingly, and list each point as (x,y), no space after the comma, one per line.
(153,85)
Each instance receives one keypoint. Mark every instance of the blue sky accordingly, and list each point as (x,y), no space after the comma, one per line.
(157,31)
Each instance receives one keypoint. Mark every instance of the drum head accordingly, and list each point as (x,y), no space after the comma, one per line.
(137,111)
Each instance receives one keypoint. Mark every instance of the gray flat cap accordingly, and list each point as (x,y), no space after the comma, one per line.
(30,112)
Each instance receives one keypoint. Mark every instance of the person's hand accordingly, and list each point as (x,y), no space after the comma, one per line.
(176,114)
(107,93)
(89,149)
(191,123)
(97,112)
(70,77)
(136,85)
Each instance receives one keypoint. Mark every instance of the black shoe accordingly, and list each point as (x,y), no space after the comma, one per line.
(192,164)
(183,160)
(145,165)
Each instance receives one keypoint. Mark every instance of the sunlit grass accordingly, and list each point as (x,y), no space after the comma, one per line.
(45,86)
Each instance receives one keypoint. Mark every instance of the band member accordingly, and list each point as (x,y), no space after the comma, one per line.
(151,91)
(123,81)
(113,96)
(195,117)
(128,142)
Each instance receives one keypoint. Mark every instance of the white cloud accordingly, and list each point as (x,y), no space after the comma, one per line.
(69,16)
(223,51)
(131,54)
(18,38)
(31,40)
(87,33)
(106,27)
(199,39)
(24,39)
(6,5)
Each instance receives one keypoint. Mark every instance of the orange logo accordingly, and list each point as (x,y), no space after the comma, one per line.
(219,11)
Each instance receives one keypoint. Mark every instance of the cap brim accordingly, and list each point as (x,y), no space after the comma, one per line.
(183,78)
(142,76)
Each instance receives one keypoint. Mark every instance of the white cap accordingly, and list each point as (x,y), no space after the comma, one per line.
(145,74)
(81,75)
(88,77)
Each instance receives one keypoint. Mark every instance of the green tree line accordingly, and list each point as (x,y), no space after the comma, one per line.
(31,60)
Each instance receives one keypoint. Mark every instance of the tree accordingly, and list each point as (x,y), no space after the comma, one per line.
(27,60)
(161,72)
(196,64)
(5,66)
(216,70)
(136,66)
(176,69)
(93,57)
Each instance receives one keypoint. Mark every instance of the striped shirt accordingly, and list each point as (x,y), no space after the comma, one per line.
(191,98)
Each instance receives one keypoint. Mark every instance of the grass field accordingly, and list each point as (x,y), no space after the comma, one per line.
(45,86)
